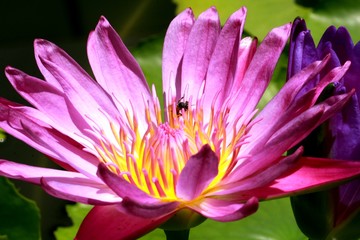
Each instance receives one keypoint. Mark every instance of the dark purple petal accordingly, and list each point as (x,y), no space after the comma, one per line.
(302,48)
(197,174)
(345,129)
(349,200)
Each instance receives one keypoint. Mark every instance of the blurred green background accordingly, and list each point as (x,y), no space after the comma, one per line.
(142,25)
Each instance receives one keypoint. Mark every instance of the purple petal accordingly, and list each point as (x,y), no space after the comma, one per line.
(226,211)
(197,174)
(107,222)
(199,48)
(349,200)
(302,48)
(345,129)
(116,69)
(342,44)
(174,46)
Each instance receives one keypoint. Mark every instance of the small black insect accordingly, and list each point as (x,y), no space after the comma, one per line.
(181,105)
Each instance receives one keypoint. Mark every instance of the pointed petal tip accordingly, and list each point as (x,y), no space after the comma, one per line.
(210,13)
(240,14)
(103,22)
(39,42)
(9,70)
(187,13)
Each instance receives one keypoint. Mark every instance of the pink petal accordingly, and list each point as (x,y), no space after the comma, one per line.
(79,189)
(310,173)
(45,97)
(199,48)
(82,92)
(219,78)
(258,179)
(135,201)
(246,51)
(30,173)
(226,211)
(285,97)
(10,121)
(122,187)
(116,69)
(14,119)
(197,174)
(62,149)
(149,210)
(266,153)
(259,72)
(107,222)
(75,82)
(286,133)
(174,46)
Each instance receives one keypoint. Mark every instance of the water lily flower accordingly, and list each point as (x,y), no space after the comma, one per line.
(212,156)
(340,206)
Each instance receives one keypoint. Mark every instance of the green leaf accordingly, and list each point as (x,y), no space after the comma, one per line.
(273,221)
(265,15)
(19,217)
(260,18)
(77,213)
(338,13)
(149,56)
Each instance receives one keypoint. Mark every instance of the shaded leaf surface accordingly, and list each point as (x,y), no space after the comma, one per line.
(19,217)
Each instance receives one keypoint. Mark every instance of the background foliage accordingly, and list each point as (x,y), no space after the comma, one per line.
(141,24)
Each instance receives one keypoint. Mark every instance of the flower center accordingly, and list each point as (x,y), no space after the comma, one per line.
(154,159)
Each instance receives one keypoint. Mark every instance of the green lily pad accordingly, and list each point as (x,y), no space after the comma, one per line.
(273,221)
(260,18)
(265,15)
(19,217)
(77,213)
(149,56)
(338,13)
